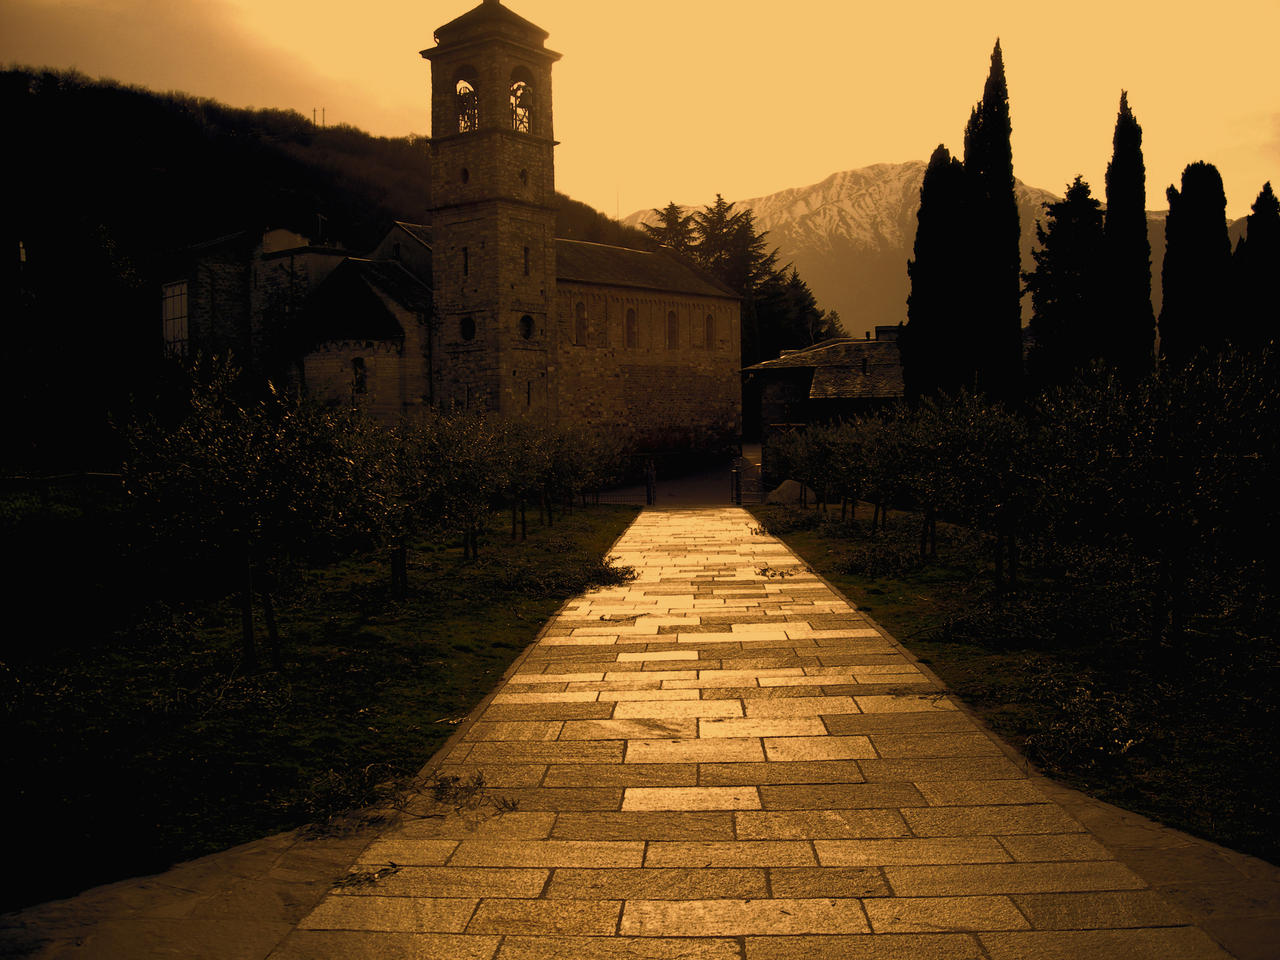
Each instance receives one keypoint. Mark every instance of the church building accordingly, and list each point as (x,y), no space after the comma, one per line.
(529,325)
(484,308)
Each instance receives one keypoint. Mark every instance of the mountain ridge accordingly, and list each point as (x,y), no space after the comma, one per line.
(851,234)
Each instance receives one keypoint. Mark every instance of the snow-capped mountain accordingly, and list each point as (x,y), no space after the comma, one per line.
(851,236)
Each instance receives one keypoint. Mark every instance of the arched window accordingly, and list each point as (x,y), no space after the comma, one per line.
(526,327)
(521,100)
(580,324)
(632,330)
(673,331)
(709,332)
(467,328)
(466,105)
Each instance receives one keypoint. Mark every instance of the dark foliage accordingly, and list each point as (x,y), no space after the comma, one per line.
(1196,271)
(937,356)
(1130,326)
(1066,291)
(993,301)
(1256,269)
(674,229)
(779,310)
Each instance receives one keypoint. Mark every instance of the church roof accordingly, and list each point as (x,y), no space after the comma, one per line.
(837,367)
(487,19)
(578,261)
(352,302)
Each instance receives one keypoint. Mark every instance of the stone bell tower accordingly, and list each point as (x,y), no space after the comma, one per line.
(492,213)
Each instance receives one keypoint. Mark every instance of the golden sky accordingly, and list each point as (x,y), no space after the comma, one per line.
(682,99)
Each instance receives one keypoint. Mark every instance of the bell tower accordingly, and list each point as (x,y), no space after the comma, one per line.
(493,213)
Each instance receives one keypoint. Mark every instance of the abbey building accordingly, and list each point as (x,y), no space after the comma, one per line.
(528,325)
(484,308)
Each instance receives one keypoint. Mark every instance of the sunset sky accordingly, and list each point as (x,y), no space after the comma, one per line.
(681,99)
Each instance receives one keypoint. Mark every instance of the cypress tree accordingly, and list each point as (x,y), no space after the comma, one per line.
(1256,266)
(1129,336)
(936,355)
(1065,288)
(997,260)
(1197,260)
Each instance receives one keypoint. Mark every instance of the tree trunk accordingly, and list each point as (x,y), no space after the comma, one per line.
(246,616)
(399,569)
(273,634)
(999,558)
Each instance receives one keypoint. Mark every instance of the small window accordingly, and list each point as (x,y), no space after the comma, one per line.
(526,261)
(173,317)
(864,365)
(709,332)
(526,327)
(466,262)
(467,328)
(632,331)
(673,331)
(580,324)
(359,376)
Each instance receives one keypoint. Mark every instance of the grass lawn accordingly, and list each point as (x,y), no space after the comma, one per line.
(140,742)
(1184,736)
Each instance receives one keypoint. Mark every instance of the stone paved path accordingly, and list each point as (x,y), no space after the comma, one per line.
(723,759)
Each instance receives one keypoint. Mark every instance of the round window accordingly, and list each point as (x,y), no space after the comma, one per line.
(467,328)
(526,326)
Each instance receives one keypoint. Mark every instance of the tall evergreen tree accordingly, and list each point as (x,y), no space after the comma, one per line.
(1130,332)
(1197,260)
(674,229)
(1256,268)
(996,312)
(936,356)
(1066,288)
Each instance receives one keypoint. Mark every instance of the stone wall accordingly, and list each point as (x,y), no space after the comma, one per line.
(684,392)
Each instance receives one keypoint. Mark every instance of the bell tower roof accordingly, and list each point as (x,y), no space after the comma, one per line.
(490,20)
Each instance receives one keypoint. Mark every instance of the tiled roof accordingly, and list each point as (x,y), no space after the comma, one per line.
(578,261)
(837,367)
(490,16)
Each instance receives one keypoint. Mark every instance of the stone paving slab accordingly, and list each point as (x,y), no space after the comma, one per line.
(715,761)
